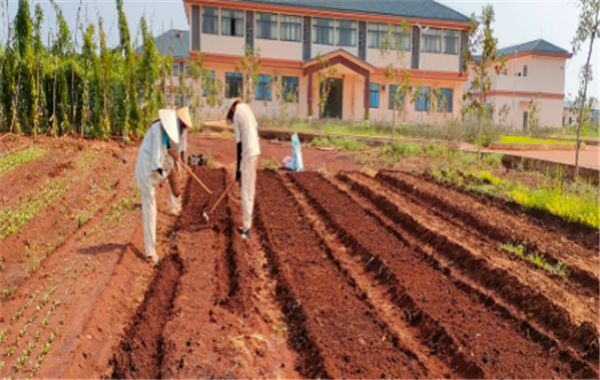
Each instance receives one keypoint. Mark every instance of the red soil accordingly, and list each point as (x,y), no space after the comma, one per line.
(354,277)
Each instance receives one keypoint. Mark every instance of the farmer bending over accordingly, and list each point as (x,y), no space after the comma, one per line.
(246,136)
(151,169)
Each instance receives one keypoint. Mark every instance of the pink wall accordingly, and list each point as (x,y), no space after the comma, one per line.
(439,62)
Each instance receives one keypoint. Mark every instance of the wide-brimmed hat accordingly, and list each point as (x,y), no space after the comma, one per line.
(168,119)
(183,113)
(231,103)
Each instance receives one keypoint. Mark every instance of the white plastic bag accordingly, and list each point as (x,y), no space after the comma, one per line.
(288,163)
(296,149)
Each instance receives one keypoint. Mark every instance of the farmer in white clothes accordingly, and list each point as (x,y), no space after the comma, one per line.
(151,168)
(246,136)
(183,123)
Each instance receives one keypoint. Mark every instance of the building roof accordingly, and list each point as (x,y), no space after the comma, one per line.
(538,46)
(181,45)
(423,9)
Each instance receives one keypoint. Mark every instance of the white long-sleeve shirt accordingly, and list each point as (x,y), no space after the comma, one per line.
(151,156)
(245,128)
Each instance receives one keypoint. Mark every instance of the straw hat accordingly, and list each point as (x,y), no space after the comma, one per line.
(231,103)
(184,114)
(168,119)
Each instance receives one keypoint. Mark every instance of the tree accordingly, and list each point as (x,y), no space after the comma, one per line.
(88,61)
(60,49)
(480,39)
(326,74)
(149,72)
(588,29)
(250,67)
(396,71)
(39,52)
(104,68)
(23,40)
(533,113)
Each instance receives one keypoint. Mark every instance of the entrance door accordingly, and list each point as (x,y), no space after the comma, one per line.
(525,119)
(333,107)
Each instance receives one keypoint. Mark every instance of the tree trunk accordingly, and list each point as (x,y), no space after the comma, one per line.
(37,87)
(583,98)
(481,105)
(15,104)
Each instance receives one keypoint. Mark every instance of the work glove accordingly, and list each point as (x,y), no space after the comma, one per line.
(238,173)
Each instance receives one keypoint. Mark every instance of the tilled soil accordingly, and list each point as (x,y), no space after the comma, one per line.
(391,276)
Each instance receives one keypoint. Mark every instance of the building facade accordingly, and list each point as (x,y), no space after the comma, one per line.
(534,71)
(291,34)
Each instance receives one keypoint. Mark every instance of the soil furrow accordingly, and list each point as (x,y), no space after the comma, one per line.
(549,303)
(374,292)
(488,341)
(207,338)
(347,340)
(503,226)
(141,353)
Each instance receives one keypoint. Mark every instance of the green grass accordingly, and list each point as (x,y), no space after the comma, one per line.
(272,164)
(526,140)
(537,259)
(575,202)
(348,144)
(13,218)
(12,161)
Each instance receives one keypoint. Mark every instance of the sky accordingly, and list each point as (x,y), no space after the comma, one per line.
(517,21)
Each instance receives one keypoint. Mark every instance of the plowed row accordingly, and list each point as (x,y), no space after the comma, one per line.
(352,276)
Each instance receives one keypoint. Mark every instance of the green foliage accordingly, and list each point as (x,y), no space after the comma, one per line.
(480,38)
(13,218)
(272,164)
(557,269)
(250,67)
(348,144)
(577,202)
(10,162)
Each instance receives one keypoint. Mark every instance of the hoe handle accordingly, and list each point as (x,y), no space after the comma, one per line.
(189,171)
(221,197)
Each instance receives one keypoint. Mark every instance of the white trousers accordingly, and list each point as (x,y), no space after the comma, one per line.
(174,202)
(149,217)
(248,169)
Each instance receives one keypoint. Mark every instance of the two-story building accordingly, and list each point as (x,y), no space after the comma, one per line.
(290,34)
(534,70)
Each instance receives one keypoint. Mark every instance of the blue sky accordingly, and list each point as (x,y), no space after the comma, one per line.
(516,22)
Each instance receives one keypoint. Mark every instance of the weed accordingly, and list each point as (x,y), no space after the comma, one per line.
(9,351)
(3,334)
(272,164)
(12,161)
(537,259)
(83,219)
(8,292)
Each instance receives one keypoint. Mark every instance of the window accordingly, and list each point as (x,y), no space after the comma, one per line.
(374,94)
(345,33)
(445,100)
(525,70)
(175,69)
(210,20)
(432,41)
(400,40)
(323,31)
(563,121)
(290,28)
(263,88)
(393,89)
(207,81)
(290,89)
(570,120)
(450,41)
(424,98)
(183,67)
(233,85)
(266,26)
(232,22)
(377,34)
